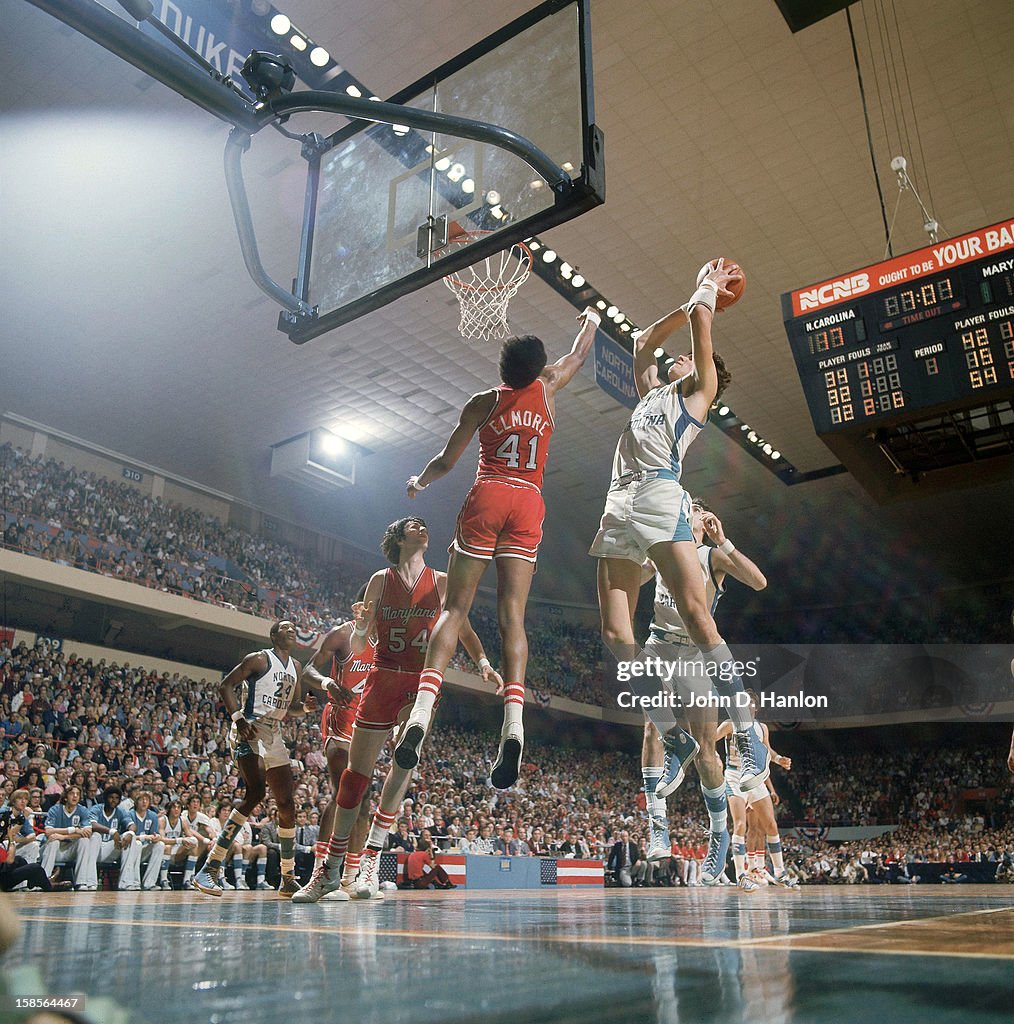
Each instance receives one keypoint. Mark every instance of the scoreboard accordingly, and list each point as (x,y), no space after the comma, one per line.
(929,329)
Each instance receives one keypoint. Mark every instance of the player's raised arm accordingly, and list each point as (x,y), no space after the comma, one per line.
(653,337)
(700,391)
(727,559)
(365,612)
(477,409)
(559,374)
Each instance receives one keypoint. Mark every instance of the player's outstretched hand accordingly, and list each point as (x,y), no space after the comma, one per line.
(721,277)
(412,486)
(361,613)
(713,527)
(310,703)
(245,729)
(784,762)
(490,675)
(341,695)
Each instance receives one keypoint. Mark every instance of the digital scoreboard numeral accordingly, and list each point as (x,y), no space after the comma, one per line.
(978,357)
(923,297)
(880,385)
(824,341)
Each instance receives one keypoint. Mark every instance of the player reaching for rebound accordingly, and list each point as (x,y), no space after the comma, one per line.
(669,638)
(501,519)
(269,682)
(348,673)
(400,608)
(647,515)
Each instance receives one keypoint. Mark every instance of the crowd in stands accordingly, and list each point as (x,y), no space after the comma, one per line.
(66,723)
(77,518)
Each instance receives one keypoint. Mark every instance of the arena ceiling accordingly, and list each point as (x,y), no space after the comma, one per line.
(129,319)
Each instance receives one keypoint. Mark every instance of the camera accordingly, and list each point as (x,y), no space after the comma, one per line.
(9,818)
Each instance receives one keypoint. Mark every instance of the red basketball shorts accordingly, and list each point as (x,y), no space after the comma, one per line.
(388,692)
(500,519)
(336,723)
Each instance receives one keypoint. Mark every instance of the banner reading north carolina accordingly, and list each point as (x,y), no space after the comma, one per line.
(614,370)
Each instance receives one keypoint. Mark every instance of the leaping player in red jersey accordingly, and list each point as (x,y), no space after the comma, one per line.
(344,692)
(400,609)
(501,518)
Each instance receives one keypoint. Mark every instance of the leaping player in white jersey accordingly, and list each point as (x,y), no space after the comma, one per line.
(668,638)
(647,515)
(269,681)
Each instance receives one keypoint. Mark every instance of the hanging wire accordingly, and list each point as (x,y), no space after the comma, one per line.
(869,133)
(911,103)
(876,79)
(896,93)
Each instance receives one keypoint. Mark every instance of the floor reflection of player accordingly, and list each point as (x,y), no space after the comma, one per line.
(348,673)
(501,520)
(400,607)
(669,638)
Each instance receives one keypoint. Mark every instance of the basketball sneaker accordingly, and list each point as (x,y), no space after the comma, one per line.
(660,847)
(747,883)
(754,756)
(208,881)
(288,888)
(786,881)
(507,765)
(367,883)
(714,862)
(680,750)
(241,882)
(406,753)
(323,884)
(225,883)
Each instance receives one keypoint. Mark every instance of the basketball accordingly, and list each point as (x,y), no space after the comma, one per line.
(737,287)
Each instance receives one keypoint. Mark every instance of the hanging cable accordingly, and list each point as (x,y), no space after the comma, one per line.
(869,133)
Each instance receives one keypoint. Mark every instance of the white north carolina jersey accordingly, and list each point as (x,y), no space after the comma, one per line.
(666,618)
(171,831)
(658,434)
(268,697)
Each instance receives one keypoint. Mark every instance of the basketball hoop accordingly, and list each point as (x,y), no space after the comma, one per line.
(485,289)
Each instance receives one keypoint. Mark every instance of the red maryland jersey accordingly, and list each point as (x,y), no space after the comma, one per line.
(514,440)
(352,673)
(405,621)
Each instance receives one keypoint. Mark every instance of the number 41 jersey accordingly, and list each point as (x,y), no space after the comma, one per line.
(514,440)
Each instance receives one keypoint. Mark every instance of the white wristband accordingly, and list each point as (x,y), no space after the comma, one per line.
(484,662)
(594,317)
(727,547)
(237,716)
(361,632)
(706,295)
(418,486)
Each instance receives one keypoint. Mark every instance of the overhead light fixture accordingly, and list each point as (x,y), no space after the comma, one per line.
(298,43)
(443,163)
(625,327)
(745,426)
(600,304)
(493,197)
(468,186)
(533,245)
(776,455)
(353,91)
(612,311)
(751,436)
(549,255)
(566,269)
(319,57)
(537,184)
(280,25)
(767,449)
(400,129)
(577,280)
(568,166)
(456,173)
(723,411)
(658,353)
(496,212)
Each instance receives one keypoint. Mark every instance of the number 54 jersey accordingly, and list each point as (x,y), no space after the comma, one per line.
(503,512)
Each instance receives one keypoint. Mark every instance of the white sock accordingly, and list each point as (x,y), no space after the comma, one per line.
(774,845)
(655,806)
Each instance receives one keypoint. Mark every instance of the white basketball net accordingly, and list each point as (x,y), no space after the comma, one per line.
(485,290)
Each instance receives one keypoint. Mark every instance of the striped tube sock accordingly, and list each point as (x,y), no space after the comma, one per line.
(336,850)
(654,805)
(382,822)
(718,807)
(262,866)
(739,854)
(238,869)
(430,682)
(351,867)
(190,869)
(233,824)
(755,860)
(319,852)
(774,845)
(164,871)
(513,703)
(287,841)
